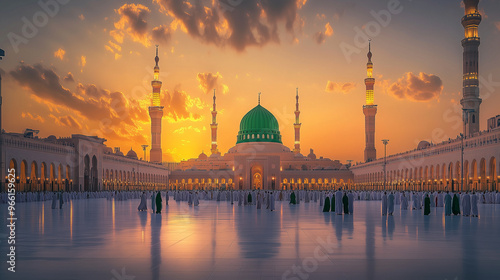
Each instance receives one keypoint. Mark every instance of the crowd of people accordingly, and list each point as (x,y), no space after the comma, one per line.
(338,201)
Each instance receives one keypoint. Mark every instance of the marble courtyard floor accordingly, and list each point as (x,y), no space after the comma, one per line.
(101,239)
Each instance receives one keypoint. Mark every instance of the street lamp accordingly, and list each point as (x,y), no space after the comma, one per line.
(385,141)
(465,117)
(144,149)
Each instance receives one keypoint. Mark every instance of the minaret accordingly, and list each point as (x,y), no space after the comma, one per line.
(470,99)
(370,110)
(156,113)
(213,125)
(296,125)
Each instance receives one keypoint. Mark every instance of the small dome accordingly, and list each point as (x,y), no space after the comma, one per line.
(52,138)
(118,153)
(132,154)
(202,156)
(423,145)
(299,155)
(311,154)
(108,150)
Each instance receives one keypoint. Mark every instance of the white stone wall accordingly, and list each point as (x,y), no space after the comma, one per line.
(438,166)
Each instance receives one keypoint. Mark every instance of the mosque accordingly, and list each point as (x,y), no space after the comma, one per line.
(259,160)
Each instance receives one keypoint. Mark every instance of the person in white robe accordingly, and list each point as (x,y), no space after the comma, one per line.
(350,196)
(384,204)
(54,201)
(190,199)
(447,204)
(466,205)
(473,202)
(143,205)
(196,201)
(404,202)
(338,202)
(259,201)
(272,205)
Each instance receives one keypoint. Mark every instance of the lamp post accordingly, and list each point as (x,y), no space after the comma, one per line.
(144,150)
(465,117)
(385,141)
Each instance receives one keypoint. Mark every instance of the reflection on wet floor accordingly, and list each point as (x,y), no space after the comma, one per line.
(100,239)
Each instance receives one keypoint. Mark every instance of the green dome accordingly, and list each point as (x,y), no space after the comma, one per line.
(259,125)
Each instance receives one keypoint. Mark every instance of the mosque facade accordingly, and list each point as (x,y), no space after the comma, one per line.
(259,160)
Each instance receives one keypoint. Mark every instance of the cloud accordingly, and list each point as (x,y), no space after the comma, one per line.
(161,34)
(69,78)
(68,121)
(238,24)
(339,87)
(208,82)
(28,115)
(183,129)
(60,53)
(83,62)
(321,36)
(177,105)
(421,88)
(133,23)
(109,109)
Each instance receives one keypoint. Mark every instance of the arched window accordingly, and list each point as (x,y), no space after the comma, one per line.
(473,118)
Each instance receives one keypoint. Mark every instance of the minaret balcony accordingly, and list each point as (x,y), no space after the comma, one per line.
(469,19)
(471,40)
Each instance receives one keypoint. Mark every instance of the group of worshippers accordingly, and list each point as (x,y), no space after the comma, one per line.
(454,203)
(338,202)
(156,202)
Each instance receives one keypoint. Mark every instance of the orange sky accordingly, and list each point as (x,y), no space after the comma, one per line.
(109,51)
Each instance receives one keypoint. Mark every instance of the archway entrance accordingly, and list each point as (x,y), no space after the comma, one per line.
(86,173)
(257,177)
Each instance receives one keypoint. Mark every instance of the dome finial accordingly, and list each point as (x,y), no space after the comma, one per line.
(369,50)
(259,98)
(157,58)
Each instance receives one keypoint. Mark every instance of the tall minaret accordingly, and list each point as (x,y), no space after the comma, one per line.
(213,125)
(370,110)
(296,125)
(156,113)
(470,99)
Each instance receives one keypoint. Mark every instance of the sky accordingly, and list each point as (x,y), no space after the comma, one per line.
(85,67)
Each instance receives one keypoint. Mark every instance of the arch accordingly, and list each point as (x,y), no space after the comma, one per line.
(93,174)
(473,170)
(34,176)
(86,173)
(13,165)
(482,174)
(492,174)
(257,175)
(68,172)
(52,176)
